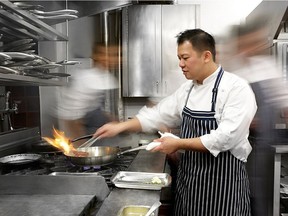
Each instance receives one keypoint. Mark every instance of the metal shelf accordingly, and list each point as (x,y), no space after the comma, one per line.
(15,24)
(23,24)
(20,80)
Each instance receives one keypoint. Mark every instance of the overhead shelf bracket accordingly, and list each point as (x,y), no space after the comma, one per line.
(23,19)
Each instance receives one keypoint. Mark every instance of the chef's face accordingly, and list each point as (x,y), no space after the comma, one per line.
(190,61)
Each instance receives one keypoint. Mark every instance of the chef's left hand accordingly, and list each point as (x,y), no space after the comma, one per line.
(168,145)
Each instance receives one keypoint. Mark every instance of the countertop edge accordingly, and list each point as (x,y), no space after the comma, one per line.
(280,148)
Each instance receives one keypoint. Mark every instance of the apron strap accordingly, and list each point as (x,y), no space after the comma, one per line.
(215,89)
(189,94)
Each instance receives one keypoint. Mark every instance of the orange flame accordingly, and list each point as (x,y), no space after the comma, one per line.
(60,141)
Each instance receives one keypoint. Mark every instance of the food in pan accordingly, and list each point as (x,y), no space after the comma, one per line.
(156,180)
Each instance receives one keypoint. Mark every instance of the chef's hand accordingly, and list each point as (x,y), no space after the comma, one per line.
(168,145)
(113,128)
(108,130)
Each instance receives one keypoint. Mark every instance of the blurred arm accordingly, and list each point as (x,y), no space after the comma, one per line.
(114,128)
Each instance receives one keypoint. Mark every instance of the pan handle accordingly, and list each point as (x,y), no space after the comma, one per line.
(82,137)
(133,149)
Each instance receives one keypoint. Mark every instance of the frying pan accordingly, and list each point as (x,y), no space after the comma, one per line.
(43,147)
(21,48)
(98,155)
(20,56)
(4,57)
(16,43)
(48,61)
(19,159)
(26,6)
(59,16)
(7,70)
(56,12)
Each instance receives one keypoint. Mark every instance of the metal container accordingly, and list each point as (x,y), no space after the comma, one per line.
(134,210)
(141,180)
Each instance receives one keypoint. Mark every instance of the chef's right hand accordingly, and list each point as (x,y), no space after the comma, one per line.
(108,130)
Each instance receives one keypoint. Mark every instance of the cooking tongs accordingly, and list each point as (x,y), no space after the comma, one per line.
(88,143)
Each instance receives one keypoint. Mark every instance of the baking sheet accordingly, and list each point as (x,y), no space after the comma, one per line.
(141,180)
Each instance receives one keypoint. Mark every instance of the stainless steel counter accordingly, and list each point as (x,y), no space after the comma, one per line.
(279,150)
(144,162)
(50,195)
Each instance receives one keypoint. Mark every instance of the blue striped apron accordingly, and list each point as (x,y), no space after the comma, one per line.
(208,185)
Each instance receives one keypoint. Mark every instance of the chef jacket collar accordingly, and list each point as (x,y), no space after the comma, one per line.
(208,79)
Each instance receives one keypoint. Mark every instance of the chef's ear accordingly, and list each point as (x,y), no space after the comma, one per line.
(207,55)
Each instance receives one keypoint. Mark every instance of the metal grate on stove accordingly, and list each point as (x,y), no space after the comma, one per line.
(57,162)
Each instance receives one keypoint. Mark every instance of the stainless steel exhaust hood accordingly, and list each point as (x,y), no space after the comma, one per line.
(88,8)
(153,1)
(277,14)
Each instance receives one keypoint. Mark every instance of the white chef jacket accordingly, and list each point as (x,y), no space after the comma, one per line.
(235,109)
(84,93)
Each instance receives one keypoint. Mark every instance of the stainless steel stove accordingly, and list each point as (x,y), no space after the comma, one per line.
(57,162)
(60,187)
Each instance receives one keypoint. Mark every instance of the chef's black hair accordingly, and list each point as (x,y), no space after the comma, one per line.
(199,39)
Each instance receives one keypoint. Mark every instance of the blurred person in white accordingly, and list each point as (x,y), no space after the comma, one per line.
(251,59)
(81,103)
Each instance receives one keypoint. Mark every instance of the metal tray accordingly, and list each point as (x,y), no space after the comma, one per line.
(73,174)
(141,180)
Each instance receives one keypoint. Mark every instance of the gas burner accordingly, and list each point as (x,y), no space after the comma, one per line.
(58,162)
(49,154)
(41,171)
(94,168)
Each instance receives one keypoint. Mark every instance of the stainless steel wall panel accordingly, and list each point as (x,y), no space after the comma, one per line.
(144,51)
(150,63)
(175,19)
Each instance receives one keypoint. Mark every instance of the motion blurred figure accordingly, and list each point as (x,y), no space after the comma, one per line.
(81,103)
(249,58)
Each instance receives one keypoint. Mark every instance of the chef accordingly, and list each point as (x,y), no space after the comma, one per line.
(215,109)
